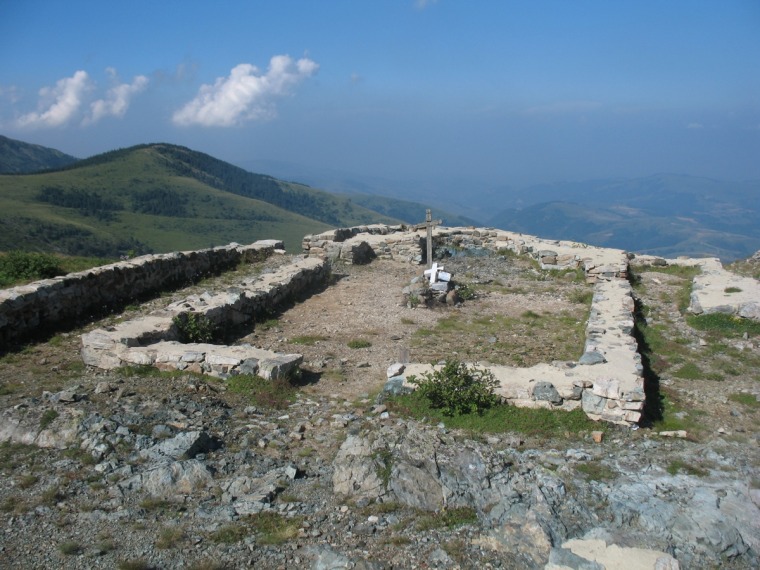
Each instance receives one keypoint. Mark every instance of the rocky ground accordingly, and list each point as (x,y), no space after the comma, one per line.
(148,470)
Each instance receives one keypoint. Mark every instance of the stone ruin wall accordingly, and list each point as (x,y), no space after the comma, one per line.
(607,380)
(153,340)
(50,302)
(359,244)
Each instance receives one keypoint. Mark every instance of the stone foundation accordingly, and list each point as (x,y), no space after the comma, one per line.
(153,340)
(403,244)
(49,302)
(606,382)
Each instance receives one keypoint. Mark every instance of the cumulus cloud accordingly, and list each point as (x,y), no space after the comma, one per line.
(60,103)
(117,99)
(246,94)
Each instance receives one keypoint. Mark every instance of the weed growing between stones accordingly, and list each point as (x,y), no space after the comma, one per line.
(47,418)
(595,471)
(359,343)
(229,534)
(448,518)
(677,466)
(274,528)
(195,327)
(277,394)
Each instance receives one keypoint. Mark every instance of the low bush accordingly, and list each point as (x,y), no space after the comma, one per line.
(21,266)
(458,389)
(194,327)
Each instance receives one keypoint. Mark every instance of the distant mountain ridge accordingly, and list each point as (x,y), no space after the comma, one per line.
(664,214)
(17,157)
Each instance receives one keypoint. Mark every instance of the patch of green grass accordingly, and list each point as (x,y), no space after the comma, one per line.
(595,471)
(229,534)
(274,528)
(749,400)
(732,290)
(448,518)
(154,504)
(501,418)
(170,537)
(277,394)
(730,326)
(70,548)
(359,343)
(674,416)
(307,340)
(7,388)
(47,418)
(581,296)
(689,371)
(678,466)
(268,324)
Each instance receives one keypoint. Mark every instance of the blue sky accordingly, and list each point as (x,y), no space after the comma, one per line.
(504,92)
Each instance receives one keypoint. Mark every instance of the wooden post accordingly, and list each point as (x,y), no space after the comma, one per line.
(429,224)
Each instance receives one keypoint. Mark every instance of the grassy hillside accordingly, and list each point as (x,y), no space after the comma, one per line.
(161,198)
(20,157)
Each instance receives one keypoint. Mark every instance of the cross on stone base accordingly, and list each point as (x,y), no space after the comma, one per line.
(429,224)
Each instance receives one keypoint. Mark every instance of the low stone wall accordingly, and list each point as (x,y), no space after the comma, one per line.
(606,382)
(403,244)
(152,340)
(714,289)
(49,302)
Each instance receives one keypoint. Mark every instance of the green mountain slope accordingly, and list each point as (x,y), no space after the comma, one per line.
(18,157)
(161,197)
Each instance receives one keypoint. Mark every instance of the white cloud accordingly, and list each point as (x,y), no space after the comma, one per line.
(58,104)
(246,94)
(11,92)
(695,126)
(117,98)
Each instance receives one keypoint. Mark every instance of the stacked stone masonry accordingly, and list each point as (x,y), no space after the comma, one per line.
(606,382)
(153,340)
(47,303)
(402,244)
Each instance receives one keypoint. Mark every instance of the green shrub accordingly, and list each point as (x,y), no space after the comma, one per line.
(359,343)
(18,266)
(195,327)
(466,292)
(458,389)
